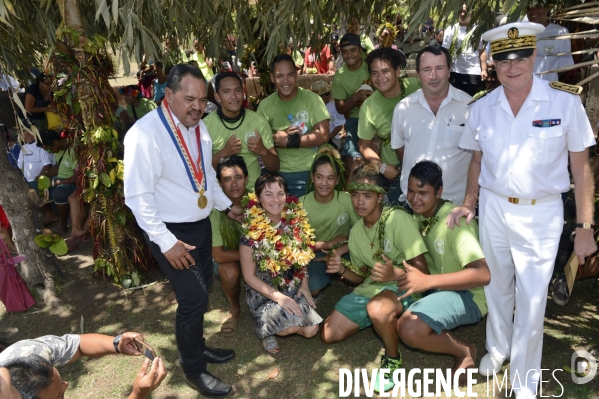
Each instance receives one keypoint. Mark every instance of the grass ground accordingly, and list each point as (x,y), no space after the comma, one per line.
(306,368)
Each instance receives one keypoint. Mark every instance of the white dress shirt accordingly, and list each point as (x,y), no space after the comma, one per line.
(521,160)
(425,135)
(32,160)
(157,187)
(468,60)
(547,50)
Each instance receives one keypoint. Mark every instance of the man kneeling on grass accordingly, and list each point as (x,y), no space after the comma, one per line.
(458,271)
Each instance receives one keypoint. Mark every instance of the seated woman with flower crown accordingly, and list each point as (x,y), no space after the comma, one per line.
(275,248)
(379,243)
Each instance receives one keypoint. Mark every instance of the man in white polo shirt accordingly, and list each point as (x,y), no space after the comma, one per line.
(522,135)
(428,124)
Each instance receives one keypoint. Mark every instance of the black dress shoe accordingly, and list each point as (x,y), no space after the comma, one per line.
(209,385)
(218,355)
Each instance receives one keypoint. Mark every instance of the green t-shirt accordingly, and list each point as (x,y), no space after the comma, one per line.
(143,108)
(346,82)
(251,122)
(68,163)
(307,107)
(451,250)
(402,242)
(376,115)
(201,60)
(220,221)
(332,219)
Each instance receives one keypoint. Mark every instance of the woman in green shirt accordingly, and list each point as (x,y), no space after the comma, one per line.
(378,245)
(330,213)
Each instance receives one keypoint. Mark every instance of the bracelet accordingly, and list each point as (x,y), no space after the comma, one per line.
(586,226)
(294,140)
(383,168)
(116,341)
(344,270)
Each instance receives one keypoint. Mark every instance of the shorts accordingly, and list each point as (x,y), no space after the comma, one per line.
(350,147)
(317,272)
(60,194)
(446,310)
(353,306)
(216,265)
(296,182)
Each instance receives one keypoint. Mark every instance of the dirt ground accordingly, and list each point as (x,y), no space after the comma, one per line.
(304,368)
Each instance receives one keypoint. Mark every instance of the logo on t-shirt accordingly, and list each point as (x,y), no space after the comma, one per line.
(248,135)
(439,246)
(342,219)
(387,245)
(303,116)
(549,49)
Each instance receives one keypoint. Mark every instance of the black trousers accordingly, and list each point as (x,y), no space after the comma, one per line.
(191,289)
(465,82)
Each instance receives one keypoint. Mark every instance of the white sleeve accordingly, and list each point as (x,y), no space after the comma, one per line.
(398,139)
(448,37)
(143,165)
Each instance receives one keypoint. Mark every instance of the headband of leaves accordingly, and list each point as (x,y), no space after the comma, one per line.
(365,187)
(336,163)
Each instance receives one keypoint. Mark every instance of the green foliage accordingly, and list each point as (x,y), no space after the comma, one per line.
(53,242)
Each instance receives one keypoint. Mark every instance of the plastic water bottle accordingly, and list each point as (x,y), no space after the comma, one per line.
(295,122)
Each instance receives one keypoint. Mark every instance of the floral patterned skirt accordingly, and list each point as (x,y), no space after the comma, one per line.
(270,318)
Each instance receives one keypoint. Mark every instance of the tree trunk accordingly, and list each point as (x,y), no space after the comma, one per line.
(40,266)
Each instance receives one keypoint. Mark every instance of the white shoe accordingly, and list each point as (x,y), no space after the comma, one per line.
(490,364)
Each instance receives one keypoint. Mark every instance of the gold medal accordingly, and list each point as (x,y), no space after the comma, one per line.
(202,201)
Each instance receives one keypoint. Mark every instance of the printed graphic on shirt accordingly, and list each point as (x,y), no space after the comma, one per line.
(342,219)
(249,134)
(387,245)
(439,246)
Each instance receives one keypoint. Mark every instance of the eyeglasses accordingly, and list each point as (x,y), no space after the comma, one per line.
(505,64)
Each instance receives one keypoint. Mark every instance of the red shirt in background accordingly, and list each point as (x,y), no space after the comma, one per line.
(322,64)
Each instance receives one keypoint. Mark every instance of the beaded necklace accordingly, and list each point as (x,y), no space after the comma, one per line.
(223,118)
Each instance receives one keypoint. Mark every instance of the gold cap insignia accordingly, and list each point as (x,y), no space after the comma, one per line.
(513,33)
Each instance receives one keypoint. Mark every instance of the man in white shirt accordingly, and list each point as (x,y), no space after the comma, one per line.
(547,49)
(428,123)
(522,135)
(171,187)
(468,68)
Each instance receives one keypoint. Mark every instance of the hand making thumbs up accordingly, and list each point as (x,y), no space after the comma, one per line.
(333,262)
(383,272)
(233,145)
(256,145)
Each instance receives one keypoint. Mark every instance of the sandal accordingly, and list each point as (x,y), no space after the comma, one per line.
(229,323)
(271,345)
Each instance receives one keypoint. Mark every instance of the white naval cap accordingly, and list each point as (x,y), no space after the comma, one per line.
(515,40)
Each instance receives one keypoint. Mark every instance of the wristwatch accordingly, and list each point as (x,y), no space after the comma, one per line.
(587,226)
(116,341)
(226,211)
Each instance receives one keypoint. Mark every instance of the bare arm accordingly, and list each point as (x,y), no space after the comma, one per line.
(399,152)
(483,64)
(99,345)
(391,171)
(31,108)
(221,255)
(468,207)
(584,243)
(345,106)
(334,266)
(318,136)
(269,155)
(475,274)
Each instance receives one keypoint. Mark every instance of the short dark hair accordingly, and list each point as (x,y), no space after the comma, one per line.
(267,179)
(369,171)
(42,77)
(230,162)
(159,64)
(280,58)
(178,72)
(47,138)
(396,59)
(428,172)
(224,75)
(30,376)
(435,50)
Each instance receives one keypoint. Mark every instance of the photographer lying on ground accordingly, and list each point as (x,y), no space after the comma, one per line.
(32,363)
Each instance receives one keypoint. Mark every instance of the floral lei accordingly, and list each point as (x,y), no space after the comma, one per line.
(277,249)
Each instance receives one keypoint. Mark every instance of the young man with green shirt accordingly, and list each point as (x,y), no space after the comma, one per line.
(378,244)
(232,174)
(376,114)
(137,106)
(458,272)
(348,95)
(238,131)
(299,121)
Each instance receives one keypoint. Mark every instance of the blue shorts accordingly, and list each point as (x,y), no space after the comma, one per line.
(61,193)
(317,272)
(350,147)
(446,310)
(296,182)
(353,306)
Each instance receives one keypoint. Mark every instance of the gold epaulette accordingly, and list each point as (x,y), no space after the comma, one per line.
(572,89)
(475,98)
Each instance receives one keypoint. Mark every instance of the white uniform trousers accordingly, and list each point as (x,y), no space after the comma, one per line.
(520,243)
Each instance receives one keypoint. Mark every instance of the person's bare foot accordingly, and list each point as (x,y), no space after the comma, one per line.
(49,219)
(77,233)
(466,362)
(171,298)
